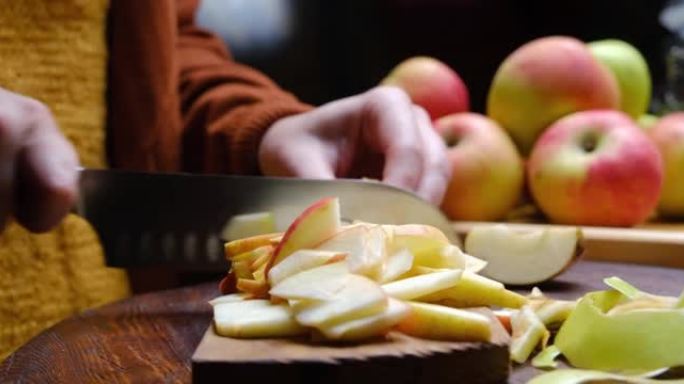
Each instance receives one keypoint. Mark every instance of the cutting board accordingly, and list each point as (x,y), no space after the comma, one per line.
(396,359)
(659,244)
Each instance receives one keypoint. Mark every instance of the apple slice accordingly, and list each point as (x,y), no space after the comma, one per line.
(396,265)
(255,318)
(358,298)
(240,246)
(473,290)
(318,222)
(302,260)
(365,245)
(369,326)
(438,322)
(524,257)
(229,298)
(248,225)
(528,333)
(552,313)
(256,288)
(320,283)
(422,285)
(425,243)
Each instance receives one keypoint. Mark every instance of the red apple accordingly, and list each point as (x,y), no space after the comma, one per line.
(595,168)
(544,80)
(487,177)
(668,134)
(431,84)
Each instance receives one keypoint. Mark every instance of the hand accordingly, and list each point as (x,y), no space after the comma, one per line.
(38,166)
(378,134)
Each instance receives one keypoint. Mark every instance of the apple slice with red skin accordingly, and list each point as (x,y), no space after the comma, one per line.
(240,246)
(318,222)
(431,321)
(300,261)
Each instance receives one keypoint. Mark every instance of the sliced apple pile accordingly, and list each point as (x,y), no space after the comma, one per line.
(524,257)
(357,281)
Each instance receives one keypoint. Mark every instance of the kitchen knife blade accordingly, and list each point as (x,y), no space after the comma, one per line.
(165,218)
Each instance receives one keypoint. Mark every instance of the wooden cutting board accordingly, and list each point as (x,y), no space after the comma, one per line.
(397,359)
(659,244)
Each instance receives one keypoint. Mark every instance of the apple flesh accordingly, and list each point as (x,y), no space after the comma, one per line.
(524,257)
(431,84)
(473,290)
(396,265)
(300,261)
(546,79)
(248,225)
(631,72)
(528,333)
(422,285)
(487,170)
(254,319)
(595,168)
(369,326)
(668,135)
(432,321)
(364,245)
(318,222)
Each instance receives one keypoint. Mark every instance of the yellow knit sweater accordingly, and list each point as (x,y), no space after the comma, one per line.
(55,51)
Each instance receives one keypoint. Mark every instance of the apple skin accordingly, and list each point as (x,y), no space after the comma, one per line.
(595,168)
(487,170)
(631,72)
(668,135)
(431,84)
(545,79)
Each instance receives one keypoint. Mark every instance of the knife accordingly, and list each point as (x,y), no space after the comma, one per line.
(177,218)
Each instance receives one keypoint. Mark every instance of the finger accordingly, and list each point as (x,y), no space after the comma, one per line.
(47,179)
(305,158)
(9,144)
(436,171)
(392,130)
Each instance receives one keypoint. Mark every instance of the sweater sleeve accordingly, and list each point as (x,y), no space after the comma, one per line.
(226,107)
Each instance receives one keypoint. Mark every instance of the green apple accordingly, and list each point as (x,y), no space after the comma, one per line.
(631,72)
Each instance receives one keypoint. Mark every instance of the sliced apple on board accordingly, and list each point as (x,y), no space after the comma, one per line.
(364,244)
(300,261)
(432,321)
(240,246)
(528,333)
(248,225)
(255,318)
(422,285)
(423,241)
(368,326)
(473,290)
(523,257)
(396,264)
(316,224)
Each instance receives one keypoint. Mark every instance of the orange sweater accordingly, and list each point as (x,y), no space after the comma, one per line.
(176,99)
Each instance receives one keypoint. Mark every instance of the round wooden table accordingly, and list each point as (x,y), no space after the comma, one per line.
(150,338)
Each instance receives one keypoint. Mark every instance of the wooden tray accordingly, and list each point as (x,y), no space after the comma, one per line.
(659,244)
(396,359)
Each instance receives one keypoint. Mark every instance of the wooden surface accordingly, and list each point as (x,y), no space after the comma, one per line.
(651,244)
(150,338)
(398,358)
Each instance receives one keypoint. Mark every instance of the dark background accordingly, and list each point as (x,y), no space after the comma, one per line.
(340,48)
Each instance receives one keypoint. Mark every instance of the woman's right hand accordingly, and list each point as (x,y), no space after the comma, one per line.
(38,165)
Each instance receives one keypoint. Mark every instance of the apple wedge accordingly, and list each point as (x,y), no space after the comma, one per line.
(473,290)
(255,318)
(422,285)
(248,225)
(426,243)
(229,298)
(319,283)
(302,260)
(438,322)
(524,257)
(396,265)
(317,223)
(365,245)
(369,326)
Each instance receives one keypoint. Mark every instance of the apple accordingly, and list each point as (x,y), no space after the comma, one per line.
(369,326)
(241,246)
(421,285)
(300,261)
(432,321)
(431,84)
(524,257)
(425,242)
(668,135)
(528,332)
(545,79)
(319,283)
(647,121)
(396,265)
(473,290)
(318,222)
(595,168)
(364,245)
(630,70)
(255,318)
(487,170)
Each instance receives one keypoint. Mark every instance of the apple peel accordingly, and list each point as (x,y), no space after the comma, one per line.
(579,376)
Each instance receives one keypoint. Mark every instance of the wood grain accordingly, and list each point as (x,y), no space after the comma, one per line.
(398,358)
(650,244)
(150,338)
